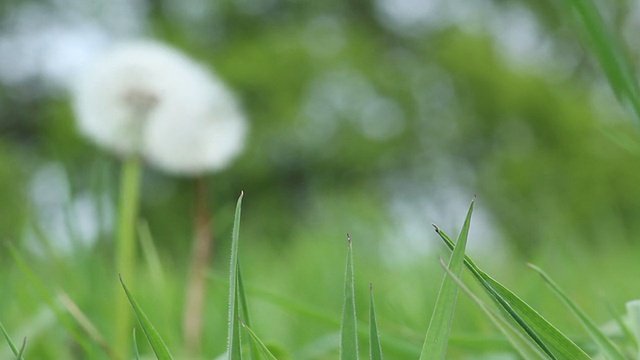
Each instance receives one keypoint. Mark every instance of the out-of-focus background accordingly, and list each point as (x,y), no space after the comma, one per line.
(376,118)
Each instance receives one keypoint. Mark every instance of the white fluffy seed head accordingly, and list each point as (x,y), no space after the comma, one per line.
(148,99)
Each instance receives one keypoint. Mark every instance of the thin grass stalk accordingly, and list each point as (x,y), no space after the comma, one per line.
(234,348)
(126,250)
(375,349)
(200,257)
(348,329)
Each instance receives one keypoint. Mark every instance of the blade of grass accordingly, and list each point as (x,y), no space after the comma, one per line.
(21,353)
(260,345)
(14,349)
(518,339)
(437,339)
(608,348)
(47,297)
(244,315)
(610,54)
(157,344)
(150,254)
(375,349)
(234,344)
(551,340)
(398,345)
(83,321)
(136,353)
(348,328)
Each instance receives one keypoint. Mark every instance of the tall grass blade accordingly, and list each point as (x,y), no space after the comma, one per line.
(234,343)
(47,297)
(527,349)
(157,344)
(150,253)
(610,54)
(551,340)
(244,315)
(348,328)
(83,321)
(13,347)
(21,353)
(437,339)
(375,348)
(260,345)
(136,353)
(607,347)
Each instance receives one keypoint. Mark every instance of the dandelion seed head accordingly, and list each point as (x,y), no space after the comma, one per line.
(146,98)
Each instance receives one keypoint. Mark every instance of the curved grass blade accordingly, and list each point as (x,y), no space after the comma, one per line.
(520,342)
(21,353)
(47,297)
(607,347)
(260,345)
(234,344)
(551,340)
(375,349)
(348,328)
(610,54)
(157,344)
(437,339)
(13,347)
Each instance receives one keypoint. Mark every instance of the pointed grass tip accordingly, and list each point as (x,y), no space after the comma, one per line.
(436,228)
(348,238)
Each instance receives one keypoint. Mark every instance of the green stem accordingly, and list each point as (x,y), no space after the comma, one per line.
(126,250)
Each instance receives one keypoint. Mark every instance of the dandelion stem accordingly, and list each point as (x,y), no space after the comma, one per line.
(126,249)
(200,258)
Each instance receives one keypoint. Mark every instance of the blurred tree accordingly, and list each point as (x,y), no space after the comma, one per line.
(353,98)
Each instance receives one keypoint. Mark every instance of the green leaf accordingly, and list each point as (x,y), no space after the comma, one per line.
(435,344)
(604,343)
(375,349)
(234,343)
(518,338)
(553,342)
(260,345)
(348,328)
(156,342)
(14,349)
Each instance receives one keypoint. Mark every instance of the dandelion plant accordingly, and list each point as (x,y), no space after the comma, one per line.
(149,102)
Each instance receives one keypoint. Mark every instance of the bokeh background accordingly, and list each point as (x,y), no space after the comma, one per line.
(376,118)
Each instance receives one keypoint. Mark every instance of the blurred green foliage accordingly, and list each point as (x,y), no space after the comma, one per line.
(340,100)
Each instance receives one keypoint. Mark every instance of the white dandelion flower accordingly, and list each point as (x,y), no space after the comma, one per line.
(148,99)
